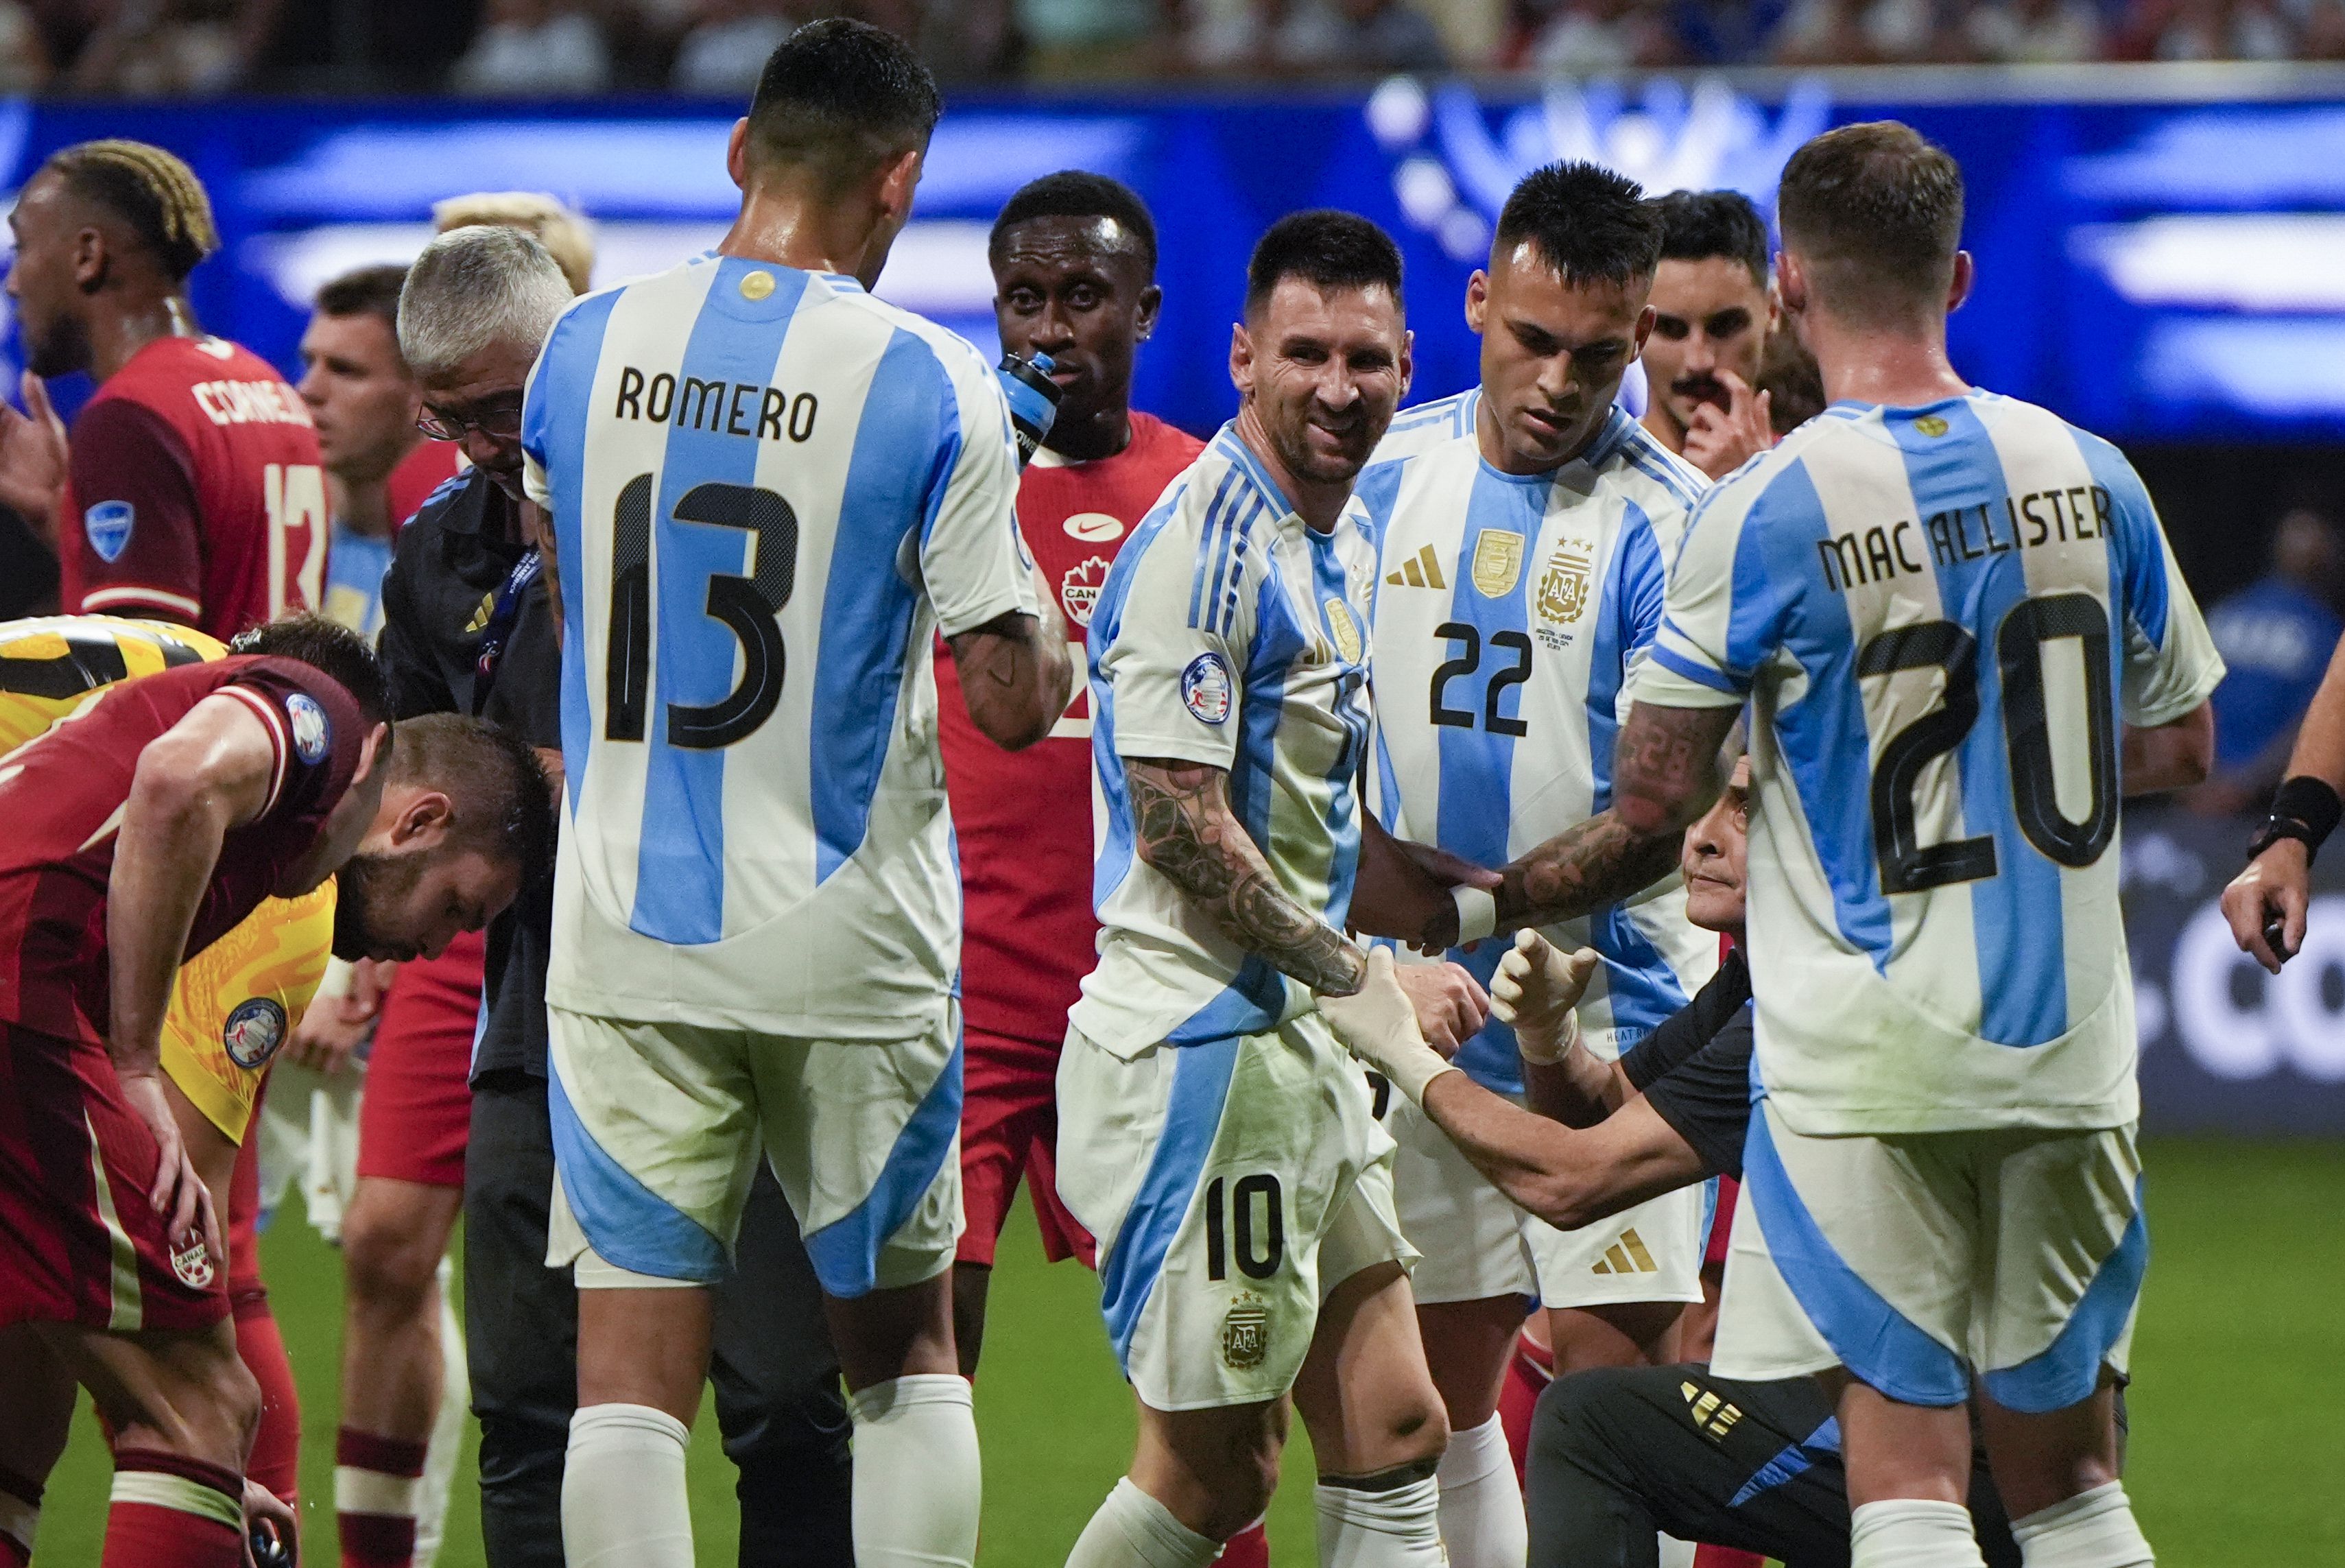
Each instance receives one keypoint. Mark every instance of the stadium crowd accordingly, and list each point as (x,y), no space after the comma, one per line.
(552,48)
(834,960)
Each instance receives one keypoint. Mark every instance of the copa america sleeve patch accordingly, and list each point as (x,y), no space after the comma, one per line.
(108,526)
(311,732)
(1206,688)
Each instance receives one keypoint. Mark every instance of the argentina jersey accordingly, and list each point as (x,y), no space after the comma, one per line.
(1508,610)
(769,491)
(1231,634)
(1944,615)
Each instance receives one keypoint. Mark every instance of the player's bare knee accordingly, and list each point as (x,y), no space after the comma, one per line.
(1240,1489)
(385,1264)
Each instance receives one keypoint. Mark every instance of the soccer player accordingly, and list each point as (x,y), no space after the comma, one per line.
(364,403)
(147,828)
(769,491)
(1943,1169)
(1713,314)
(1523,530)
(1074,265)
(194,492)
(1211,1133)
(2267,902)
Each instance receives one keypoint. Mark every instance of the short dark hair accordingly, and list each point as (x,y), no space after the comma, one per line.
(1697,225)
(367,292)
(330,648)
(151,190)
(843,96)
(503,803)
(1880,208)
(1590,224)
(1078,193)
(1326,249)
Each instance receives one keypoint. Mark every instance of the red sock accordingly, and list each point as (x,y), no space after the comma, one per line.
(275,1460)
(375,1482)
(1529,1372)
(20,1515)
(173,1513)
(1249,1548)
(1726,1557)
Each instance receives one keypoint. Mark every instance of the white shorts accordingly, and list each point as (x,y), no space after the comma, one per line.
(1478,1245)
(1231,1185)
(1918,1261)
(658,1129)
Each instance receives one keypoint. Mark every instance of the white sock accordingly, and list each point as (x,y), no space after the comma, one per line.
(446,1444)
(1396,1529)
(917,1483)
(1482,1521)
(624,1503)
(2094,1529)
(1133,1530)
(1909,1533)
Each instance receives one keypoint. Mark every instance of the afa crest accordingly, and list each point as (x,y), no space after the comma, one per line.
(1245,1334)
(1498,562)
(1563,587)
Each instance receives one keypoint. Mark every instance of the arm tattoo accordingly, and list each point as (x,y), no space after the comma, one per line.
(1181,820)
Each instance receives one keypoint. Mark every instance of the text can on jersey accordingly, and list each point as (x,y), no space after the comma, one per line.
(775,491)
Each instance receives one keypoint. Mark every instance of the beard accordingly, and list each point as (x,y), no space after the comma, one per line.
(58,347)
(366,890)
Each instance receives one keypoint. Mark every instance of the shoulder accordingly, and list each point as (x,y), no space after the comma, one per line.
(1664,487)
(1427,427)
(1774,486)
(1163,445)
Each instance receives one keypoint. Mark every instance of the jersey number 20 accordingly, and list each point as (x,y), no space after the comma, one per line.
(1908,866)
(746,605)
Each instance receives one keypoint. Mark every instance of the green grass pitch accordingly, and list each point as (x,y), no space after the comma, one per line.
(2233,1455)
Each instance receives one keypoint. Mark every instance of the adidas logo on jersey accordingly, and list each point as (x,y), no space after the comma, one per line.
(1422,570)
(1627,1256)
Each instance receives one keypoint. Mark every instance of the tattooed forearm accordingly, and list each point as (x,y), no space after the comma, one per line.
(1183,826)
(1601,861)
(1665,769)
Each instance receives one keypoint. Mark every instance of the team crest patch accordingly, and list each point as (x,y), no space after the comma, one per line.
(1245,1334)
(107,527)
(1343,629)
(253,1032)
(1206,688)
(1563,589)
(193,1264)
(310,731)
(1930,425)
(1498,562)
(1079,590)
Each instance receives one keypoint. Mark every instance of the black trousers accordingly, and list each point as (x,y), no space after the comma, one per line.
(1619,1452)
(779,1398)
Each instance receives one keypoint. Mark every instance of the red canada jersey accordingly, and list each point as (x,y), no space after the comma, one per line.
(194,493)
(62,796)
(1024,820)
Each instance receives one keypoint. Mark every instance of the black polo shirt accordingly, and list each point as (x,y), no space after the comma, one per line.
(1694,1069)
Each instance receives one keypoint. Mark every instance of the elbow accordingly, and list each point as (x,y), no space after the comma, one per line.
(1015,731)
(2194,760)
(1654,814)
(1565,1202)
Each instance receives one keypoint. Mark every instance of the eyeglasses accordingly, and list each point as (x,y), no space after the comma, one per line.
(497,423)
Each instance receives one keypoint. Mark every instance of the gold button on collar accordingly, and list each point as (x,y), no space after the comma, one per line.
(757,285)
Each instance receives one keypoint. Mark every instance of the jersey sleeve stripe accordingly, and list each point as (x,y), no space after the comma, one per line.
(102,600)
(1694,670)
(1206,539)
(274,723)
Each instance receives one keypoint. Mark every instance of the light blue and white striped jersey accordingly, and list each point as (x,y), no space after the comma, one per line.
(1944,615)
(1230,633)
(769,491)
(1508,612)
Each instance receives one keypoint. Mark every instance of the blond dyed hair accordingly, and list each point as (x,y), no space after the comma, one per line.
(565,234)
(152,190)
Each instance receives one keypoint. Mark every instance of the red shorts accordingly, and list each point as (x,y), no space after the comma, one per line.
(1010,1127)
(418,1107)
(79,1243)
(245,1293)
(1722,1224)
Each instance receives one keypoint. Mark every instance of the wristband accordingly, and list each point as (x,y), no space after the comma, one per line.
(1478,913)
(1544,1059)
(2304,809)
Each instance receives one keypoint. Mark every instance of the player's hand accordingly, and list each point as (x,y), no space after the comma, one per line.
(1449,1004)
(325,1040)
(33,455)
(2270,899)
(264,1506)
(370,981)
(1536,988)
(178,1194)
(1439,933)
(1378,1025)
(1721,440)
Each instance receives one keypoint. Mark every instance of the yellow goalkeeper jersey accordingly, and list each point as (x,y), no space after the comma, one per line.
(235,1002)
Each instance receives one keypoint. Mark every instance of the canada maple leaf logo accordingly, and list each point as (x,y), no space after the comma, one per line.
(1079,590)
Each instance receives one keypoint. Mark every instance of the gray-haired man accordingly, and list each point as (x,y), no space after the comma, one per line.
(470,625)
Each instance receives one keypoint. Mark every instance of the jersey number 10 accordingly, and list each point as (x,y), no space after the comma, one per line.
(1908,866)
(747,606)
